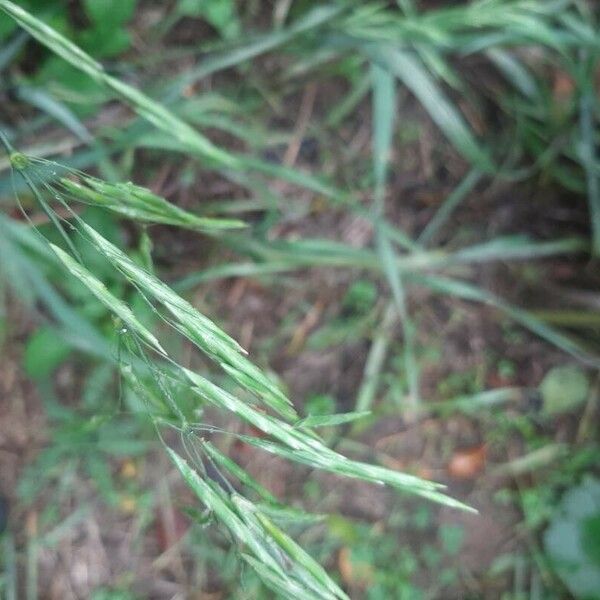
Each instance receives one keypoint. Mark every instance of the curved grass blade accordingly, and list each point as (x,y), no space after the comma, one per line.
(331,420)
(42,100)
(468,291)
(514,72)
(413,74)
(315,18)
(154,112)
(449,205)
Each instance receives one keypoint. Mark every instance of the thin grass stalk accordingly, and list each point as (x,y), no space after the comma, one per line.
(588,149)
(384,109)
(375,359)
(448,207)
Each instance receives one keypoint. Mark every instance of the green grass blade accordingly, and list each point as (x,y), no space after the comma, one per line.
(240,517)
(42,100)
(516,247)
(51,38)
(315,18)
(331,420)
(448,207)
(287,587)
(375,359)
(301,557)
(299,446)
(190,140)
(299,573)
(413,74)
(588,155)
(384,110)
(216,500)
(514,72)
(152,111)
(467,291)
(384,113)
(24,250)
(336,463)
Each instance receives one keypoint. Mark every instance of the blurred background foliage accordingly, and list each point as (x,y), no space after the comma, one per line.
(419,183)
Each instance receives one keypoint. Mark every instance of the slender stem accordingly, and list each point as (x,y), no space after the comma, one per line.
(588,155)
(21,167)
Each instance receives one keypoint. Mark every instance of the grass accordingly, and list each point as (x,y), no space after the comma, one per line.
(382,52)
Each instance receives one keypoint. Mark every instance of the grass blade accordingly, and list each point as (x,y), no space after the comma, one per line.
(314,19)
(588,156)
(224,461)
(190,140)
(448,207)
(375,359)
(57,110)
(384,109)
(331,420)
(216,500)
(152,111)
(467,291)
(413,74)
